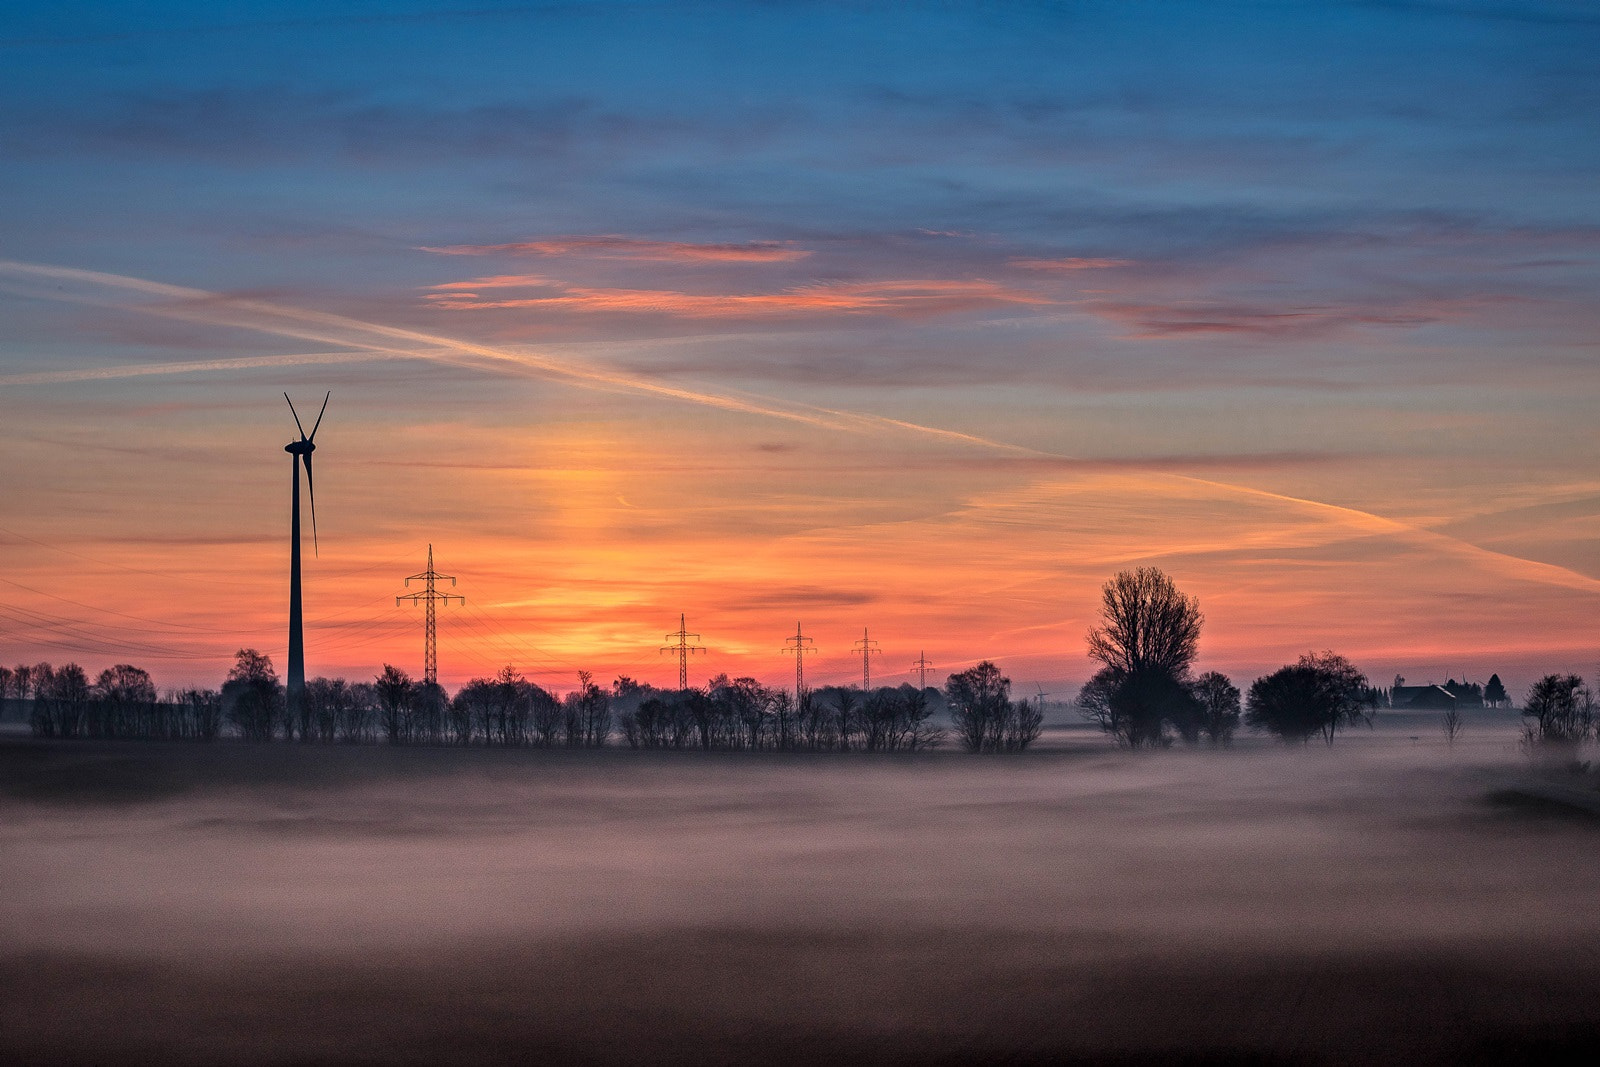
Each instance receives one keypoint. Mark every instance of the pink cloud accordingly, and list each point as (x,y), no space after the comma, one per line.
(908,297)
(1154,319)
(616,246)
(1070,263)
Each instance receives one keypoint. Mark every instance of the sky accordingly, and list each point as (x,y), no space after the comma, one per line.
(921,319)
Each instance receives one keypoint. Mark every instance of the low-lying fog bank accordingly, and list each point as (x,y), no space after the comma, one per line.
(1375,900)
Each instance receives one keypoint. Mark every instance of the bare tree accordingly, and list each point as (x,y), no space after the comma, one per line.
(396,702)
(1452,726)
(1558,713)
(979,699)
(1147,640)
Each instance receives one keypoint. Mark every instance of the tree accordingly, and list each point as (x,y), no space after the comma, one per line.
(1558,712)
(1147,640)
(1322,693)
(1218,701)
(985,717)
(1494,694)
(1452,726)
(251,697)
(60,700)
(979,698)
(124,701)
(396,698)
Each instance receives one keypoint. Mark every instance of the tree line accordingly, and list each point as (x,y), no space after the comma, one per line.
(1143,694)
(509,710)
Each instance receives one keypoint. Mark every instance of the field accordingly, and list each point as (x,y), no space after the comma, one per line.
(1387,900)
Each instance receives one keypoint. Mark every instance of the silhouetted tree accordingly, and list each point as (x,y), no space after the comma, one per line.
(1494,694)
(545,716)
(1322,693)
(1218,700)
(123,704)
(985,717)
(1452,726)
(1147,640)
(61,698)
(199,713)
(396,701)
(1136,709)
(251,697)
(978,699)
(1558,713)
(588,714)
(430,712)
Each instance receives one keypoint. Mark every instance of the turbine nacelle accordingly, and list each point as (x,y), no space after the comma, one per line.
(302,450)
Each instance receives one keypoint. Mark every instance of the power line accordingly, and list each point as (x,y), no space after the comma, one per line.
(922,667)
(429,597)
(798,646)
(868,648)
(684,650)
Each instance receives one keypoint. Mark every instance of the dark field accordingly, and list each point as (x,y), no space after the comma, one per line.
(1383,901)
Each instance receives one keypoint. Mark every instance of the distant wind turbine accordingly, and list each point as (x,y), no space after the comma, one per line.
(301,451)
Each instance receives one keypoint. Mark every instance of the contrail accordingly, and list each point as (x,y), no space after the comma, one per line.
(143,370)
(377,341)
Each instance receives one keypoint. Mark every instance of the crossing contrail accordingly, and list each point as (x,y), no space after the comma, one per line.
(375,341)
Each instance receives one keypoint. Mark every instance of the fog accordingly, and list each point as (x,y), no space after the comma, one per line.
(1387,898)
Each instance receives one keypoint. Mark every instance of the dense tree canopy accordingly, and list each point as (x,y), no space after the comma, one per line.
(1321,694)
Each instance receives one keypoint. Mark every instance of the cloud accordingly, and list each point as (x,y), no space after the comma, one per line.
(1181,318)
(616,246)
(903,298)
(1070,263)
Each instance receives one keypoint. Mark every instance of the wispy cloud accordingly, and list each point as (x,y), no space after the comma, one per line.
(902,298)
(616,246)
(1069,263)
(1153,320)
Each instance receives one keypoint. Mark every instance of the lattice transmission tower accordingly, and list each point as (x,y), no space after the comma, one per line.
(922,667)
(684,650)
(798,646)
(867,649)
(428,597)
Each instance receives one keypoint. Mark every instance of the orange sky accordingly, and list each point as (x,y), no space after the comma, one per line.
(582,513)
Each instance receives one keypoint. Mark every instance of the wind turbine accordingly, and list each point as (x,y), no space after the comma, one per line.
(301,451)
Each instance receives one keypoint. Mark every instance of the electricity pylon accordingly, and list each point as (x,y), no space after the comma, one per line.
(428,598)
(867,648)
(798,645)
(922,667)
(684,650)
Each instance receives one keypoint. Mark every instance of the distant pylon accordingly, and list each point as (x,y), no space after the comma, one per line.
(428,598)
(922,667)
(799,645)
(867,648)
(684,650)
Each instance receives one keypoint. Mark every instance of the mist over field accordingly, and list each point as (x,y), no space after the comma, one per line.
(1387,898)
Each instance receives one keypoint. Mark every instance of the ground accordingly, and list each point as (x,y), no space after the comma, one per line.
(1388,900)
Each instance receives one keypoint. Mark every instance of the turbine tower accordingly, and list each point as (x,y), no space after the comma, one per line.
(301,452)
(798,645)
(866,647)
(428,598)
(684,650)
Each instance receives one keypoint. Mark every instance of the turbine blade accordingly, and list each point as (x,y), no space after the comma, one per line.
(311,491)
(296,415)
(324,410)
